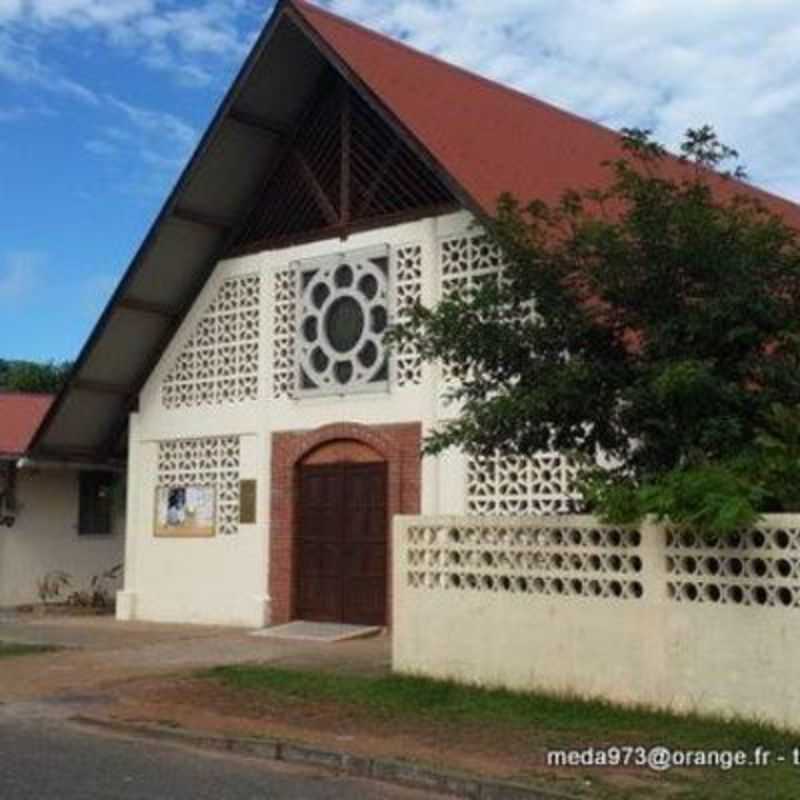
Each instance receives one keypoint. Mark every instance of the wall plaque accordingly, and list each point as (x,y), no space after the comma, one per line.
(247,502)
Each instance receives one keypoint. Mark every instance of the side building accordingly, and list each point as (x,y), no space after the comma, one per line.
(54,517)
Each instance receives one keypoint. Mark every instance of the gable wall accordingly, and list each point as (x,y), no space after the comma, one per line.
(224,433)
(223,579)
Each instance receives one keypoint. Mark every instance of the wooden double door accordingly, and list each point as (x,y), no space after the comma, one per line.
(342,543)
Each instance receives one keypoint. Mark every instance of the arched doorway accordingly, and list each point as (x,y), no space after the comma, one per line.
(342,534)
(396,445)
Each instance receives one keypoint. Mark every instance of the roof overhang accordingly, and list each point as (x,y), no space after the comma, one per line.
(195,228)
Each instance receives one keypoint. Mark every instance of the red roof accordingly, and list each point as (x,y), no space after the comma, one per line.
(20,415)
(489,138)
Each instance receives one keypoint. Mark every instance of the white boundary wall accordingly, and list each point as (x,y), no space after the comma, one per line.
(565,604)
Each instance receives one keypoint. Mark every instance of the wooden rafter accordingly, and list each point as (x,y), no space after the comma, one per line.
(380,174)
(263,124)
(343,166)
(100,387)
(147,307)
(323,201)
(201,218)
(346,146)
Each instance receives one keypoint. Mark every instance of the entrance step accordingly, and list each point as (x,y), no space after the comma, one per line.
(318,631)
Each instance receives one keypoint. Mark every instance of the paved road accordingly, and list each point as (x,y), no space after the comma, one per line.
(50,759)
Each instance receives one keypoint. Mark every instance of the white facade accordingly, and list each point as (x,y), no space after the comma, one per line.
(45,537)
(228,381)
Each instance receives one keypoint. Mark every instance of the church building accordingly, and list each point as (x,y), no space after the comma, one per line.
(240,369)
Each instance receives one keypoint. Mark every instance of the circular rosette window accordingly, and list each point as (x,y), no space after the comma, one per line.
(342,324)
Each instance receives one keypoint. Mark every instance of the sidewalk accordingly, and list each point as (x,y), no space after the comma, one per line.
(101,654)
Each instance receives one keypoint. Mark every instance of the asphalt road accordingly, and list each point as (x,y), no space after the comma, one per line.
(53,760)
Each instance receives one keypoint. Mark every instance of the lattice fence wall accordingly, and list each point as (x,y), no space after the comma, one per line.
(407,262)
(760,567)
(210,461)
(219,363)
(505,484)
(597,562)
(545,604)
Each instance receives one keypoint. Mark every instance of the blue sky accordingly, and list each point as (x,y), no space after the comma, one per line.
(101,102)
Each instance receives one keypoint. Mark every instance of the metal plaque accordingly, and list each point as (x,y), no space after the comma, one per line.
(247,502)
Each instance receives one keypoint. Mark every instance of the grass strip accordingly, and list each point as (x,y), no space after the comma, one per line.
(13,649)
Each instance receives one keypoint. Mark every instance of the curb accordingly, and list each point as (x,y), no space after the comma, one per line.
(388,771)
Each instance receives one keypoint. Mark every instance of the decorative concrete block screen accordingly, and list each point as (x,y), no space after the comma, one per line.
(465,262)
(210,461)
(284,335)
(505,484)
(306,296)
(521,559)
(566,604)
(756,568)
(407,263)
(343,316)
(219,362)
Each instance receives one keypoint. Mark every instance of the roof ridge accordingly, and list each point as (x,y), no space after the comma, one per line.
(449,65)
(301,5)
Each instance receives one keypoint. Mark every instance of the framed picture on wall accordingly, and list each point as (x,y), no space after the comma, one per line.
(185,511)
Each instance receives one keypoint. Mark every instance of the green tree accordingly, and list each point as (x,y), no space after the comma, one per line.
(650,328)
(29,376)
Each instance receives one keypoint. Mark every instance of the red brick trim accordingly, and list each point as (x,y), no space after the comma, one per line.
(399,445)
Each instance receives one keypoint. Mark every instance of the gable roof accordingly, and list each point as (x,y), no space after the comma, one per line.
(488,137)
(479,138)
(20,415)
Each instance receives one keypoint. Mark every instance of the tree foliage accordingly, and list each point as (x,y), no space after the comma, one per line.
(29,376)
(650,328)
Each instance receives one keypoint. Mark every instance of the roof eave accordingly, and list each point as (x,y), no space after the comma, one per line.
(167,208)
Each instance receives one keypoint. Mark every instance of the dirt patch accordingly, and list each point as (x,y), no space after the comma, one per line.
(503,753)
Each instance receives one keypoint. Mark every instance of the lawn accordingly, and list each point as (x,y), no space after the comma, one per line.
(12,649)
(526,726)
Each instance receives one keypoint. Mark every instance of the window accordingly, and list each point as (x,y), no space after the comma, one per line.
(95,506)
(344,314)
(8,502)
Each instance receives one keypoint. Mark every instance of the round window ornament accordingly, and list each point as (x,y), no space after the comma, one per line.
(344,316)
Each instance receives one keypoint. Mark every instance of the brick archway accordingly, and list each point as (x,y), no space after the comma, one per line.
(398,445)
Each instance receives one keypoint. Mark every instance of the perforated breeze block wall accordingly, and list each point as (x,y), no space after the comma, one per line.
(566,604)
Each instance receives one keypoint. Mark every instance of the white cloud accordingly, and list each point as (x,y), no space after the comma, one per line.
(10,9)
(21,63)
(668,65)
(179,39)
(153,144)
(20,272)
(15,113)
(84,13)
(159,123)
